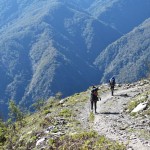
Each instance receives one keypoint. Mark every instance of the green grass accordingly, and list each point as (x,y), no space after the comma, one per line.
(75,137)
(137,100)
(91,117)
(65,113)
(85,140)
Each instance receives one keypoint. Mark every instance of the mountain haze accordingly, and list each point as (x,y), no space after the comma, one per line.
(128,57)
(123,15)
(50,46)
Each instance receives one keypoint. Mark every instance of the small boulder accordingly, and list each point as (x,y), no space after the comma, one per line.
(139,107)
(40,141)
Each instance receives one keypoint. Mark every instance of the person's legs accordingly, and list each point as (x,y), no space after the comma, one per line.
(95,105)
(92,105)
(112,90)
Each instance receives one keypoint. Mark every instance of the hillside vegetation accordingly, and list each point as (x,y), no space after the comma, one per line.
(69,124)
(56,125)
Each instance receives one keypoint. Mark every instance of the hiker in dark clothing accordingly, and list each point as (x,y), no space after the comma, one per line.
(94,98)
(112,83)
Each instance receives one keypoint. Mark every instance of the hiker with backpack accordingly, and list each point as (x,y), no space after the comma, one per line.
(112,83)
(94,98)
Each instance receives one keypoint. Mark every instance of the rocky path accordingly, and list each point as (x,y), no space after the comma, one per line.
(115,124)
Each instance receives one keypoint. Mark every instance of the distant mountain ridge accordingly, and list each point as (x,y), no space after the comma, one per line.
(120,14)
(128,57)
(50,46)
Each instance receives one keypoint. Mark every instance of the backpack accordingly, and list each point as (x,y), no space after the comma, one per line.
(94,93)
(94,90)
(112,81)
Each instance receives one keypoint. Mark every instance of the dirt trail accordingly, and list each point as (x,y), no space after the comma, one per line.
(112,122)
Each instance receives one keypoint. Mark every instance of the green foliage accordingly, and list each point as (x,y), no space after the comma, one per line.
(133,114)
(47,112)
(15,112)
(12,137)
(65,113)
(51,142)
(55,130)
(135,101)
(84,135)
(58,95)
(77,98)
(38,104)
(49,104)
(91,117)
(85,141)
(64,122)
(3,130)
(132,105)
(47,121)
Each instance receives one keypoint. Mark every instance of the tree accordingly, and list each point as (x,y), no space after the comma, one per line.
(15,113)
(58,95)
(3,130)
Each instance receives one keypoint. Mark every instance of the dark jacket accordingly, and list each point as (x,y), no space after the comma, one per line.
(94,94)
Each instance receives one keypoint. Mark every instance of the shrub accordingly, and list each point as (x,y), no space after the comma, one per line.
(3,131)
(65,113)
(46,112)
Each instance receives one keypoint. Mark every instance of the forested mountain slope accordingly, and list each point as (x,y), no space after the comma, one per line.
(49,46)
(129,57)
